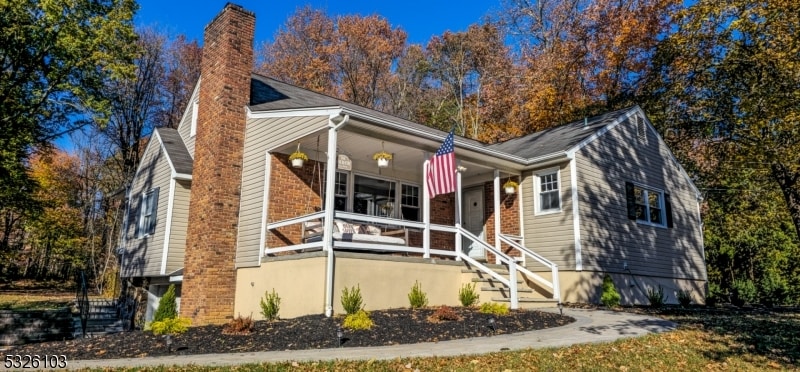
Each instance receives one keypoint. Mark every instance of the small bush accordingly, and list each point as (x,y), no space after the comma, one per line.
(239,326)
(270,305)
(167,306)
(417,298)
(684,298)
(656,297)
(171,326)
(773,289)
(494,308)
(714,294)
(351,300)
(467,295)
(358,321)
(743,292)
(610,297)
(444,313)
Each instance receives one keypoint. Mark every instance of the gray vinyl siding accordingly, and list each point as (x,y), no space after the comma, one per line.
(609,239)
(261,135)
(180,218)
(550,235)
(143,256)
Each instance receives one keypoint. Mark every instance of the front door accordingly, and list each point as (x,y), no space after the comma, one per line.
(472,208)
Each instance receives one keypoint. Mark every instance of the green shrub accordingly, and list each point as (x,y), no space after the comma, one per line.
(609,297)
(494,308)
(351,300)
(170,326)
(656,297)
(417,298)
(714,294)
(743,291)
(467,295)
(358,320)
(774,290)
(270,305)
(167,306)
(684,298)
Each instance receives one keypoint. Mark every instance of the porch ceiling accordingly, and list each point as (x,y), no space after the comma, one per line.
(359,141)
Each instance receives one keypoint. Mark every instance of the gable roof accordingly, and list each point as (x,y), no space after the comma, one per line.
(267,94)
(559,139)
(177,154)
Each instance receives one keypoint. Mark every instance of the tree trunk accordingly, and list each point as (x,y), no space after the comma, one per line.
(787,180)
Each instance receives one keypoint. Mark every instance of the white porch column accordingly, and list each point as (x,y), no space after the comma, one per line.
(496,193)
(458,213)
(426,213)
(327,235)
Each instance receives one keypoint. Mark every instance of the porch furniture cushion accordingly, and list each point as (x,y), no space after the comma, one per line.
(312,231)
(367,238)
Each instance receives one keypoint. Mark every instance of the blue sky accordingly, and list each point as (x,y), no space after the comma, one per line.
(420,19)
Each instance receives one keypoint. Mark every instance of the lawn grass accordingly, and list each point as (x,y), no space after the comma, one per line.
(706,340)
(33,301)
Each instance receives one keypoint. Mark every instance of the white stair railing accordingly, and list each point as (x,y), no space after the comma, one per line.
(554,284)
(511,282)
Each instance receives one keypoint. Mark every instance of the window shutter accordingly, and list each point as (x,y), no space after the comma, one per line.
(668,210)
(139,216)
(630,196)
(153,211)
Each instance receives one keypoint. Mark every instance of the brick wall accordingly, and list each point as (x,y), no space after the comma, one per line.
(293,192)
(209,278)
(509,217)
(443,212)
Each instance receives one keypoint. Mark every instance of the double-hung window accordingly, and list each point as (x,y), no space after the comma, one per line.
(409,200)
(148,206)
(376,196)
(547,191)
(648,205)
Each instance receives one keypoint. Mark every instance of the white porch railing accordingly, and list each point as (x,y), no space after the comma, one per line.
(553,284)
(506,260)
(511,282)
(355,217)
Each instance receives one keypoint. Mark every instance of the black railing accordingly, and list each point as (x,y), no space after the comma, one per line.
(83,301)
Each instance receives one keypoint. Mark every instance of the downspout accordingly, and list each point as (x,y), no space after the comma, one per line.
(330,178)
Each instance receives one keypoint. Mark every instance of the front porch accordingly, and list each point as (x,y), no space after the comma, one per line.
(384,210)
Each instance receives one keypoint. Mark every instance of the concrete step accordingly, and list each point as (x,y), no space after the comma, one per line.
(505,289)
(528,302)
(500,271)
(492,280)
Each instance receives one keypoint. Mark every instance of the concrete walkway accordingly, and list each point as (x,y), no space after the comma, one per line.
(591,326)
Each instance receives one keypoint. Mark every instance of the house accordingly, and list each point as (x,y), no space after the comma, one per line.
(217,207)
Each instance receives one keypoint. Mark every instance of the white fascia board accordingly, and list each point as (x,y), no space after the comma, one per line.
(181,176)
(153,136)
(176,279)
(192,98)
(603,131)
(547,160)
(166,154)
(330,111)
(434,137)
(168,227)
(671,155)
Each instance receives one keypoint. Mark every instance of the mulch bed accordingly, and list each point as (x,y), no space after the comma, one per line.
(396,326)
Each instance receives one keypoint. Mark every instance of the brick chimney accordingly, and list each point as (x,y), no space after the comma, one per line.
(209,276)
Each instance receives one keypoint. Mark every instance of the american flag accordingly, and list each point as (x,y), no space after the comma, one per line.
(442,169)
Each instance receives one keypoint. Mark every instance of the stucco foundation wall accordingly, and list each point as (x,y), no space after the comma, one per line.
(384,281)
(586,287)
